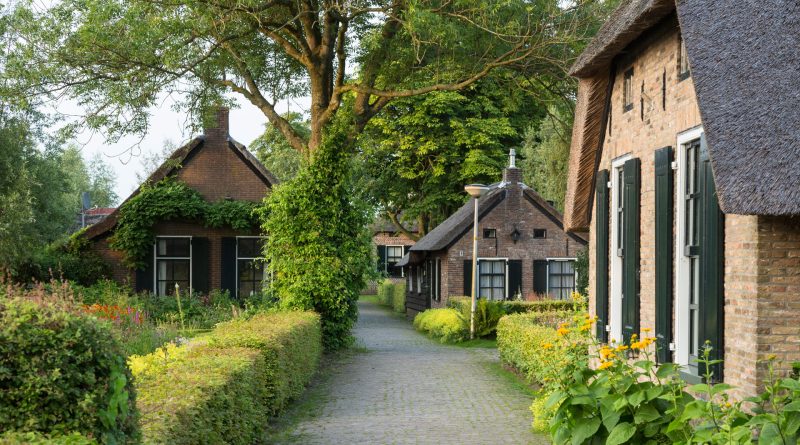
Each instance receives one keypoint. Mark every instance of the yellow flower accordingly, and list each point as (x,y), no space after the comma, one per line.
(772,357)
(621,348)
(586,327)
(547,346)
(605,365)
(562,331)
(646,330)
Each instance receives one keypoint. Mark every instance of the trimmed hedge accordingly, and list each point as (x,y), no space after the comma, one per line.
(520,340)
(444,324)
(516,307)
(63,373)
(399,297)
(33,438)
(221,391)
(385,292)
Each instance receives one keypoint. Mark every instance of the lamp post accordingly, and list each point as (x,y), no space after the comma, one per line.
(476,191)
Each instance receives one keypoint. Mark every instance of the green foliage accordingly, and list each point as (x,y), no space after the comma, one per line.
(168,200)
(35,438)
(487,314)
(220,392)
(386,292)
(319,248)
(399,297)
(444,324)
(519,340)
(420,151)
(61,372)
(272,149)
(545,155)
(514,306)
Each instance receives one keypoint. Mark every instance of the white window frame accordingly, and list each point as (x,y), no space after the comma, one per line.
(575,271)
(156,258)
(419,278)
(682,263)
(243,258)
(386,259)
(615,294)
(505,274)
(437,291)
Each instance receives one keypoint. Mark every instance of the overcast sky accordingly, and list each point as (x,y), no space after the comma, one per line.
(246,124)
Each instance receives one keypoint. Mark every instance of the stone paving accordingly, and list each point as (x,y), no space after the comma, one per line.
(408,389)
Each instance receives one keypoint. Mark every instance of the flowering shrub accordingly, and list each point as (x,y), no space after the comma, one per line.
(628,398)
(444,324)
(115,313)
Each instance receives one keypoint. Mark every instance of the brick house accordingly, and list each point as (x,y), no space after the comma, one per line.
(523,250)
(186,252)
(685,168)
(391,245)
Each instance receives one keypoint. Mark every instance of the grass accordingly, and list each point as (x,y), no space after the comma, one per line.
(369,298)
(511,378)
(477,343)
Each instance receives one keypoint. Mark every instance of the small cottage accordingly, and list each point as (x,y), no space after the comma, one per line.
(685,167)
(391,245)
(188,253)
(523,250)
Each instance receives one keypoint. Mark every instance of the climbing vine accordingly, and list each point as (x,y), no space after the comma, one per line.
(167,200)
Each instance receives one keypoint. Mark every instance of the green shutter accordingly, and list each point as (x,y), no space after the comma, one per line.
(228,266)
(631,244)
(200,272)
(514,278)
(540,277)
(467,278)
(712,228)
(601,255)
(382,259)
(146,277)
(664,248)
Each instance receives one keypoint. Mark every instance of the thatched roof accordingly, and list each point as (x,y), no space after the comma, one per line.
(744,60)
(176,159)
(460,222)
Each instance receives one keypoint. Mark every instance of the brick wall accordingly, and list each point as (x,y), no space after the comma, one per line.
(391,239)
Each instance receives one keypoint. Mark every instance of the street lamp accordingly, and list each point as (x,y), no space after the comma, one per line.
(476,191)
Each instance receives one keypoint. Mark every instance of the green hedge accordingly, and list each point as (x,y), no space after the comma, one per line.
(520,340)
(445,324)
(62,372)
(385,292)
(222,391)
(516,307)
(32,438)
(399,297)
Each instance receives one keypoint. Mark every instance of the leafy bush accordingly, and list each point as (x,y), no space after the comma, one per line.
(515,306)
(385,292)
(34,438)
(319,248)
(522,344)
(62,372)
(84,268)
(399,297)
(487,314)
(219,392)
(444,324)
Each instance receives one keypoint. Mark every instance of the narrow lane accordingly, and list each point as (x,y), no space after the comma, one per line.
(408,389)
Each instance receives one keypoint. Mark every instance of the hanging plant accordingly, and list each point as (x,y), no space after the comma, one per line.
(168,200)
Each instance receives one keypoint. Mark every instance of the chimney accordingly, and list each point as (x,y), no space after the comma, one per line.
(512,174)
(216,129)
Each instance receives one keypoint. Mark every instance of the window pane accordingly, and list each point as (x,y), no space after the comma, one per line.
(180,270)
(173,247)
(246,289)
(485,267)
(568,266)
(249,247)
(486,280)
(498,267)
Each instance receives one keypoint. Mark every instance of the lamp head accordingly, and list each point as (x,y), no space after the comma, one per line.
(476,190)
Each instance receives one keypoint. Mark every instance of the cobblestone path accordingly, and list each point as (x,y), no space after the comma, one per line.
(407,389)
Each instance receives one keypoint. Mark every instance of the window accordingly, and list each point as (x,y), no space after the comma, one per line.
(561,278)
(249,266)
(687,304)
(393,256)
(419,279)
(173,264)
(540,233)
(617,214)
(683,60)
(492,279)
(489,233)
(627,91)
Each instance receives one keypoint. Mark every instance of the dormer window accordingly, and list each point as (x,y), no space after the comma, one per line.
(683,60)
(627,91)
